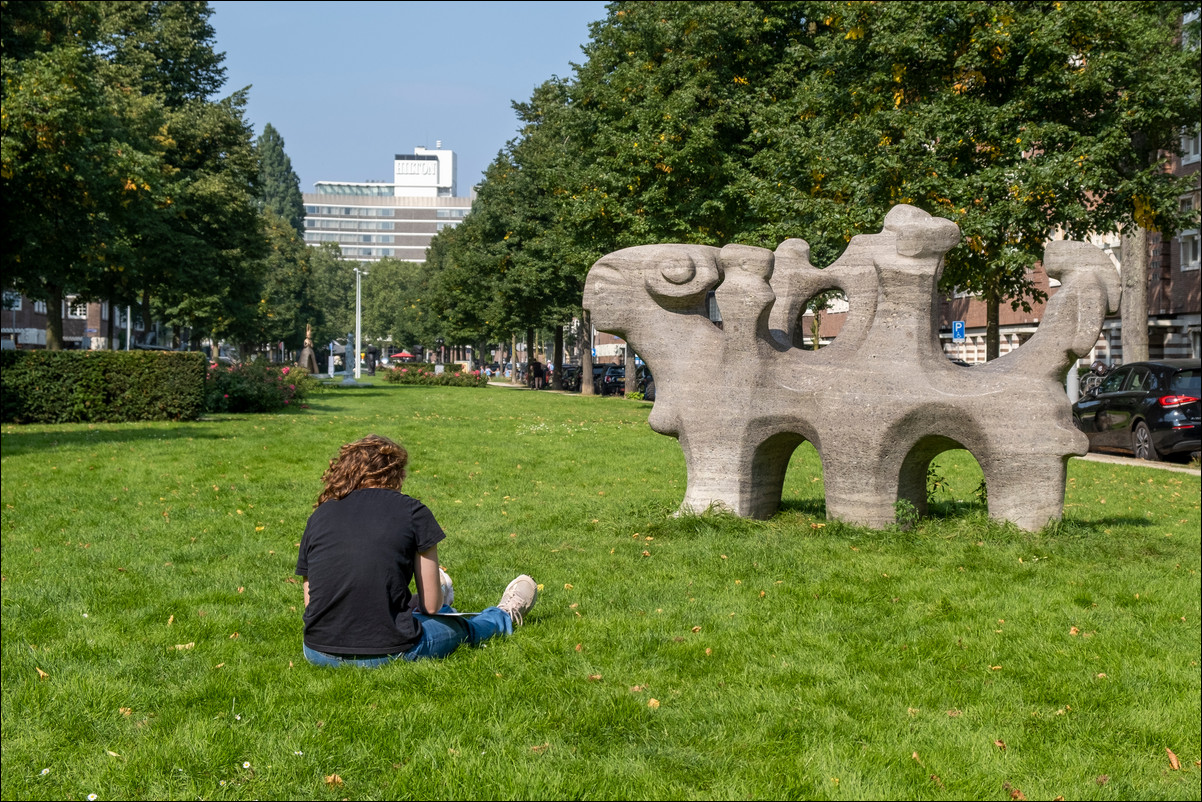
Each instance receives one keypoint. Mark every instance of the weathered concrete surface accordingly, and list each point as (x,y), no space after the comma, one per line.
(878,403)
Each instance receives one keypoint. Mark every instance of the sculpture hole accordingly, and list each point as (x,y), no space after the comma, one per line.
(804,490)
(817,327)
(955,485)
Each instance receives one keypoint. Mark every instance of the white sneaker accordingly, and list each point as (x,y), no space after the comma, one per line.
(448,590)
(518,598)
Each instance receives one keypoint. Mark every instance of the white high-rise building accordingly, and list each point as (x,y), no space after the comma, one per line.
(371,220)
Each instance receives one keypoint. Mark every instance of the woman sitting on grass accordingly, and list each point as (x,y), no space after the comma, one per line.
(364,543)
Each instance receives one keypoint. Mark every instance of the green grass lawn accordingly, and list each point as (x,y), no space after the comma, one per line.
(151,622)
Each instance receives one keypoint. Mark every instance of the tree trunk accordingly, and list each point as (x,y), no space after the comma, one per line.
(993,326)
(54,318)
(530,353)
(514,377)
(586,354)
(631,378)
(816,330)
(1134,305)
(557,359)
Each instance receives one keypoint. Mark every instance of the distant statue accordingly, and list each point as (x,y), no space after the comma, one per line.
(308,359)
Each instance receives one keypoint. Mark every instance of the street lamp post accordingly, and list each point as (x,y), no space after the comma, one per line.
(358,320)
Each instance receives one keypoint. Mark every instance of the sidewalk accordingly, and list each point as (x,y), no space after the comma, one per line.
(1116,459)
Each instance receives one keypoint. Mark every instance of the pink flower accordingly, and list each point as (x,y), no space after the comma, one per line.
(292,387)
(227,395)
(285,370)
(286,401)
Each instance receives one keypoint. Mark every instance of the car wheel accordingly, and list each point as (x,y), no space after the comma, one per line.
(1141,442)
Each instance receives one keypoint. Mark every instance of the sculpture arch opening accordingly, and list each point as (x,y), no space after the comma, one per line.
(804,485)
(939,476)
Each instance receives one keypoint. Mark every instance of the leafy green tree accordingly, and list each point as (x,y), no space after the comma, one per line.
(1019,121)
(278,181)
(333,287)
(79,167)
(125,181)
(394,313)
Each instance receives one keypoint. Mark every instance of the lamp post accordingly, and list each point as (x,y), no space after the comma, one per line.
(359,274)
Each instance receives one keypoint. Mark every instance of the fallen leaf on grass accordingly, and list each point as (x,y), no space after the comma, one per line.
(567,586)
(935,779)
(653,704)
(41,674)
(333,780)
(111,753)
(954,713)
(235,636)
(538,750)
(125,711)
(594,677)
(1000,745)
(219,665)
(696,629)
(1074,631)
(579,647)
(170,620)
(995,668)
(182,646)
(916,758)
(1102,779)
(1174,763)
(1015,793)
(708,652)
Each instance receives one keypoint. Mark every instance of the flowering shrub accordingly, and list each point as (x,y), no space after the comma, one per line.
(453,376)
(258,386)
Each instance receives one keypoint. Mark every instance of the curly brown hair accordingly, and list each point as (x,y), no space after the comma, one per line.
(374,461)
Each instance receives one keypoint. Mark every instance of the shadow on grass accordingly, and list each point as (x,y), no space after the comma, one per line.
(21,442)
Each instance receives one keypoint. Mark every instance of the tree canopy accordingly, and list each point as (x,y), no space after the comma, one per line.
(753,122)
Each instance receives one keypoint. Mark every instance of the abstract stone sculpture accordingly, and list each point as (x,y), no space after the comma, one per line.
(878,403)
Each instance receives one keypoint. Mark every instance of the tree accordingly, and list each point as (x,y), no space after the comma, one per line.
(333,287)
(1019,121)
(393,305)
(125,181)
(278,181)
(79,166)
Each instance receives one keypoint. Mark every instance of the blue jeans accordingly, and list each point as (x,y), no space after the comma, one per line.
(440,637)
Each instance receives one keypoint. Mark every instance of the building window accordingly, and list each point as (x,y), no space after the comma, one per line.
(39,307)
(1189,241)
(1190,142)
(75,310)
(1190,252)
(12,301)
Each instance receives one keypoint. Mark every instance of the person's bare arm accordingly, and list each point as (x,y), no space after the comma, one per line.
(429,590)
(305,587)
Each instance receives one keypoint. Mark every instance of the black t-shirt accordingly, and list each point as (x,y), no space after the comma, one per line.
(358,553)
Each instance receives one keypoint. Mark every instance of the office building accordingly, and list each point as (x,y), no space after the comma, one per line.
(371,220)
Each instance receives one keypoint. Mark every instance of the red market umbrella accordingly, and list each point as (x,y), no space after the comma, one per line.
(401,355)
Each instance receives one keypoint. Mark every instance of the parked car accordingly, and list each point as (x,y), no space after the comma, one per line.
(1148,408)
(614,381)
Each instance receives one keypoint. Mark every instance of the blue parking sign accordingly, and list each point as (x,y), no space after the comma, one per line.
(958,331)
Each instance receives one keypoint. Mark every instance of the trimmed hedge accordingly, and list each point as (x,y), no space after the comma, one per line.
(101,386)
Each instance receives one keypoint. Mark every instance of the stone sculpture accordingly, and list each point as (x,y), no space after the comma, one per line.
(308,359)
(880,402)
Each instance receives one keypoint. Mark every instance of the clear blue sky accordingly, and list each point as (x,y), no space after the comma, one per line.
(350,84)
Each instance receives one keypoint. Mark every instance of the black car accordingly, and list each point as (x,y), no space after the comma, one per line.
(1149,408)
(614,381)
